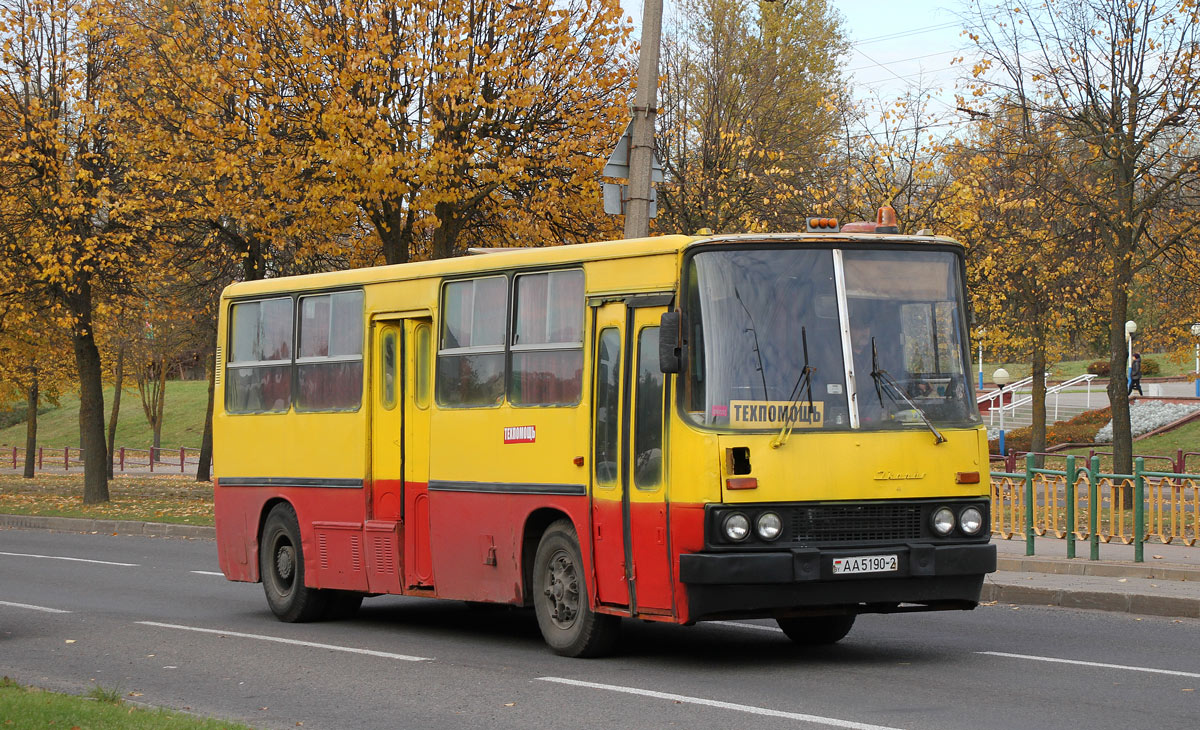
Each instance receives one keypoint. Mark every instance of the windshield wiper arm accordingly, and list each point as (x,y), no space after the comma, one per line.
(754,333)
(881,375)
(805,378)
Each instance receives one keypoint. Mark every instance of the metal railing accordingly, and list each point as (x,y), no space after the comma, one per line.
(125,460)
(1079,503)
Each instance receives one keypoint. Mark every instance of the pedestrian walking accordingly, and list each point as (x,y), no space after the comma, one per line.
(1135,374)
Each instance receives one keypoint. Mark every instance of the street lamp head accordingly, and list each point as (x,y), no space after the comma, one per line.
(1000,377)
(1130,327)
(1196,330)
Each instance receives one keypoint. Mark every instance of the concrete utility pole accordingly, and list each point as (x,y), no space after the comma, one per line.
(641,152)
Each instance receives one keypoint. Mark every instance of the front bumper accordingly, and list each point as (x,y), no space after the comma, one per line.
(801,580)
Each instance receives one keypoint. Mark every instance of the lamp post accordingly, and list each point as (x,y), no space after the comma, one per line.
(980,335)
(1196,333)
(1130,328)
(1000,378)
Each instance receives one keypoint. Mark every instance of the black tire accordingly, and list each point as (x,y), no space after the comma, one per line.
(816,630)
(281,564)
(341,605)
(560,598)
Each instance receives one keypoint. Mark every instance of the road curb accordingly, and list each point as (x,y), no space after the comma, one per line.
(1079,566)
(119,527)
(1112,601)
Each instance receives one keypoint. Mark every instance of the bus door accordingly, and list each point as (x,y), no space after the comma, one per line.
(383,528)
(418,338)
(398,526)
(629,523)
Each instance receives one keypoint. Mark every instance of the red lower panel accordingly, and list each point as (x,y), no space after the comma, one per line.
(477,539)
(608,542)
(418,568)
(651,558)
(687,536)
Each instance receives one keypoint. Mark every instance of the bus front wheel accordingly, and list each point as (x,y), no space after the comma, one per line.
(560,598)
(281,564)
(816,630)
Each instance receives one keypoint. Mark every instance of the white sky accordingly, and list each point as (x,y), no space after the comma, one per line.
(897,45)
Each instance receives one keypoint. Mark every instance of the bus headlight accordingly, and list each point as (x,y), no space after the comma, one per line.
(970,521)
(768,526)
(943,521)
(736,527)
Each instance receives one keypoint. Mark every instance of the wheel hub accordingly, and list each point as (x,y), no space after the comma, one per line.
(562,590)
(285,563)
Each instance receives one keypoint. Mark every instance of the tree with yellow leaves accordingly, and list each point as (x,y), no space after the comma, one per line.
(1121,78)
(429,121)
(33,367)
(749,111)
(1030,257)
(69,233)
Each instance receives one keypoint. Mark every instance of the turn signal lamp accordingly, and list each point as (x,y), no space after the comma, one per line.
(822,225)
(741,483)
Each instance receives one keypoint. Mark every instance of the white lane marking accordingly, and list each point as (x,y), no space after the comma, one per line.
(32,608)
(1101,665)
(208,572)
(295,642)
(76,560)
(749,709)
(739,625)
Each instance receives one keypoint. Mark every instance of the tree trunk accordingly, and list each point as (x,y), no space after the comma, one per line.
(204,469)
(31,406)
(1038,435)
(91,398)
(118,382)
(159,402)
(1118,390)
(393,223)
(445,236)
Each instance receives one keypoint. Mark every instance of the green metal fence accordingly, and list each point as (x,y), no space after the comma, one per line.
(1078,503)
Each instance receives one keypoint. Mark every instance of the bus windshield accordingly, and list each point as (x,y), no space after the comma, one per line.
(751,313)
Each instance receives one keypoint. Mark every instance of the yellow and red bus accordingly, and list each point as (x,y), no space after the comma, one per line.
(674,429)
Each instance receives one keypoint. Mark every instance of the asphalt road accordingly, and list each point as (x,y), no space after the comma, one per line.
(151,617)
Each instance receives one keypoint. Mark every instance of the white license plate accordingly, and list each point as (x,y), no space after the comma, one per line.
(865,564)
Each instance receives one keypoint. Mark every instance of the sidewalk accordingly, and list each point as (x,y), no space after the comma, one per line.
(1167,584)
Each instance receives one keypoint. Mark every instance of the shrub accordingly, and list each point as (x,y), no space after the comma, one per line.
(1079,430)
(1150,367)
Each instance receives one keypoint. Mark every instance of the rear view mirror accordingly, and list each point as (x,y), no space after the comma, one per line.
(670,344)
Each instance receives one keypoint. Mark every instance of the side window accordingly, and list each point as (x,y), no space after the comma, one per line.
(424,351)
(387,369)
(259,371)
(329,362)
(470,361)
(608,406)
(648,414)
(547,339)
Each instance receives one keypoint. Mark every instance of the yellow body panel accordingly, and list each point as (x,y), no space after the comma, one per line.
(302,445)
(837,466)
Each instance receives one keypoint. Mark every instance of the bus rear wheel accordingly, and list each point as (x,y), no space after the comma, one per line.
(281,564)
(560,598)
(816,630)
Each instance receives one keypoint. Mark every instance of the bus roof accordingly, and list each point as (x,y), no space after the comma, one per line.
(511,258)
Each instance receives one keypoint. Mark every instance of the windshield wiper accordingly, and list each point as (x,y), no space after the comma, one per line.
(881,376)
(754,333)
(805,379)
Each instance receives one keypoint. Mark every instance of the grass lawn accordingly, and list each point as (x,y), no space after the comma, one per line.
(22,708)
(176,499)
(1067,369)
(183,419)
(1186,437)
